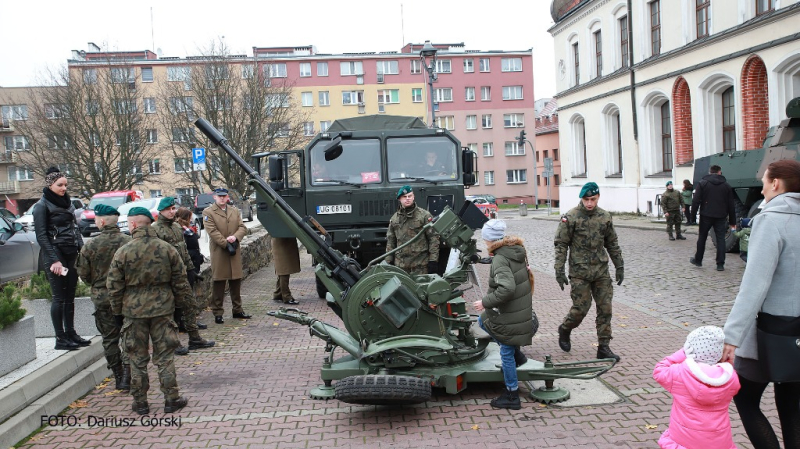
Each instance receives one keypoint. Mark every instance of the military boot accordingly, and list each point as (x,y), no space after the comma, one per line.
(680,236)
(604,352)
(509,399)
(125,382)
(173,405)
(198,342)
(563,338)
(181,350)
(142,408)
(671,237)
(117,370)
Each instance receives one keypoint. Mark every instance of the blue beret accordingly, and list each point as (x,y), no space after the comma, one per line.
(140,211)
(589,189)
(104,210)
(220,191)
(403,191)
(166,202)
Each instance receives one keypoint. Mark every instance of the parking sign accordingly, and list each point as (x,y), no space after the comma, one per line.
(198,159)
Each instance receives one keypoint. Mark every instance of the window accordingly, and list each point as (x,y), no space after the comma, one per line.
(90,76)
(514,120)
(182,134)
(389,96)
(276,70)
(486,93)
(179,73)
(15,112)
(353,97)
(178,105)
(469,65)
(150,105)
(129,139)
(308,128)
(484,64)
(666,138)
(56,111)
(486,121)
(763,6)
(512,92)
(488,178)
(152,135)
(598,54)
(122,75)
(215,72)
(324,125)
(555,154)
(473,147)
(519,176)
(576,59)
(488,149)
(183,165)
(220,102)
(555,180)
(322,69)
(388,67)
(307,98)
(274,101)
(155,194)
(443,94)
(472,122)
(623,40)
(147,74)
(248,70)
(20,174)
(95,138)
(701,14)
(124,106)
(416,66)
(57,142)
(305,69)
(17,143)
(655,27)
(351,68)
(511,65)
(416,95)
(447,122)
(469,93)
(514,149)
(728,121)
(443,66)
(324,98)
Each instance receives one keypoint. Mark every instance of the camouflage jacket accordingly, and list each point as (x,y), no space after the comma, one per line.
(588,235)
(671,200)
(147,277)
(95,258)
(403,226)
(172,233)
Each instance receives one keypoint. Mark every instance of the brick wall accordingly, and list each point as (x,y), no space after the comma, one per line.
(755,102)
(682,122)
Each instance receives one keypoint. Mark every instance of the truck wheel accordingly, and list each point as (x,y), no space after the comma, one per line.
(321,289)
(754,210)
(383,389)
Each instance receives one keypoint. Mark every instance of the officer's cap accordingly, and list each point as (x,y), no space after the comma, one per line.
(404,191)
(104,210)
(166,202)
(589,189)
(140,211)
(220,191)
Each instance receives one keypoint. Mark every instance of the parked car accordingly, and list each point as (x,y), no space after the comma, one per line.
(488,209)
(114,198)
(150,204)
(204,200)
(5,213)
(486,196)
(18,246)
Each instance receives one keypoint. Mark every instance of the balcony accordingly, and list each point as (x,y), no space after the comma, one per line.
(9,188)
(9,157)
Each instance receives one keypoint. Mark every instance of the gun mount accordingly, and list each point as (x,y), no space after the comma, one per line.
(403,334)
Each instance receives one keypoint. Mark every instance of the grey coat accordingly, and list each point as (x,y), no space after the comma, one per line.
(770,282)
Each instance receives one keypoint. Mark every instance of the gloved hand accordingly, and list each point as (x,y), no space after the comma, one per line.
(561,278)
(119,320)
(620,275)
(192,276)
(433,267)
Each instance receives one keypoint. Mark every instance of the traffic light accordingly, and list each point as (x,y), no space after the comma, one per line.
(521,139)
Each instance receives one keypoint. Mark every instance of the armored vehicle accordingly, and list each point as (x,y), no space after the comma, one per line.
(744,169)
(354,195)
(402,334)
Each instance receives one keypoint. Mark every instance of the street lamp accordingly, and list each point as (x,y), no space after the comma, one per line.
(427,53)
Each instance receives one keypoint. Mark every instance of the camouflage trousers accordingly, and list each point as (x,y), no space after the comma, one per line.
(136,336)
(107,326)
(582,292)
(674,219)
(414,269)
(282,291)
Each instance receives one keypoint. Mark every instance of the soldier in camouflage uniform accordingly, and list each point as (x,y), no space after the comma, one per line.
(93,263)
(587,233)
(171,232)
(146,279)
(671,203)
(422,256)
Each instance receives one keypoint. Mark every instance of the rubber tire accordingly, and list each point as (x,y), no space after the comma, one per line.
(321,289)
(754,210)
(383,389)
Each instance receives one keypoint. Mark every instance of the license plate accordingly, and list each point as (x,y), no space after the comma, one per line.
(335,209)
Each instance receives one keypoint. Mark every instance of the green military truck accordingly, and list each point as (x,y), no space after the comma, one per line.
(744,169)
(351,189)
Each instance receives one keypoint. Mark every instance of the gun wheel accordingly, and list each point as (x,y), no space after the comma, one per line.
(323,392)
(550,395)
(383,389)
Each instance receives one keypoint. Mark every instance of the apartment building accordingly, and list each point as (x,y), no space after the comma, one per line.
(645,91)
(547,148)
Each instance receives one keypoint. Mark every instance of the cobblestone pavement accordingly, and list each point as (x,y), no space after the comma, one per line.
(251,390)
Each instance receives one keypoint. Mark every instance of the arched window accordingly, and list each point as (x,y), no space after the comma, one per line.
(666,138)
(612,141)
(578,129)
(728,121)
(711,116)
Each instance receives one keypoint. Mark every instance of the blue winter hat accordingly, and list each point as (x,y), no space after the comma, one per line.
(589,189)
(493,230)
(404,191)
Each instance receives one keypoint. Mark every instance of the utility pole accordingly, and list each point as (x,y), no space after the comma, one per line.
(521,142)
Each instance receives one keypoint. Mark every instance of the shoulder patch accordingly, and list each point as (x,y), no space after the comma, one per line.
(205,217)
(564,219)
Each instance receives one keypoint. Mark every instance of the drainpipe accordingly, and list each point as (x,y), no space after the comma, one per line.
(634,115)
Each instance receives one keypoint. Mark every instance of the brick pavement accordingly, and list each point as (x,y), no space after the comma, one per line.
(251,390)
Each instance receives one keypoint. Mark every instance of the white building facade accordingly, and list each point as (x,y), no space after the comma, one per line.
(707,76)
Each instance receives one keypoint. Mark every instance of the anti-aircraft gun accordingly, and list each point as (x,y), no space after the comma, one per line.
(403,334)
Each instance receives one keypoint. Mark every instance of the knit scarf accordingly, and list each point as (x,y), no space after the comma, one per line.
(58,200)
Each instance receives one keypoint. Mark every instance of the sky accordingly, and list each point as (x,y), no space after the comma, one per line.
(40,35)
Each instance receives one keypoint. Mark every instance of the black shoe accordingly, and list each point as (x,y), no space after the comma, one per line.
(200,343)
(77,339)
(117,370)
(509,399)
(695,263)
(241,315)
(563,338)
(125,384)
(181,350)
(65,344)
(201,326)
(171,406)
(292,302)
(720,267)
(218,319)
(681,237)
(604,352)
(519,357)
(142,408)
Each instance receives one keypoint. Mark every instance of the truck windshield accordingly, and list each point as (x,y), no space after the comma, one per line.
(432,159)
(360,163)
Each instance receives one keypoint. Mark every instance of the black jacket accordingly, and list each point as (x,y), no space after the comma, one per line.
(56,231)
(193,246)
(714,197)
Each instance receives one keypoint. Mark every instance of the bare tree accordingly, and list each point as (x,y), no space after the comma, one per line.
(89,123)
(256,112)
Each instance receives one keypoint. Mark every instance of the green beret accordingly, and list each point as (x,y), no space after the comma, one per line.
(104,210)
(589,189)
(140,211)
(166,202)
(668,183)
(403,191)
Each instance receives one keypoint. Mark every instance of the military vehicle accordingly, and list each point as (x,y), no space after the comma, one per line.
(402,334)
(744,169)
(354,196)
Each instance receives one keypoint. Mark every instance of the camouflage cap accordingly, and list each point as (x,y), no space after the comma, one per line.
(589,189)
(166,202)
(140,211)
(404,191)
(104,210)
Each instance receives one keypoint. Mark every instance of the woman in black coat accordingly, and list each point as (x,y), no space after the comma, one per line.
(60,242)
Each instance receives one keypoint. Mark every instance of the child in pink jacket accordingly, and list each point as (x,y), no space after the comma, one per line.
(701,391)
